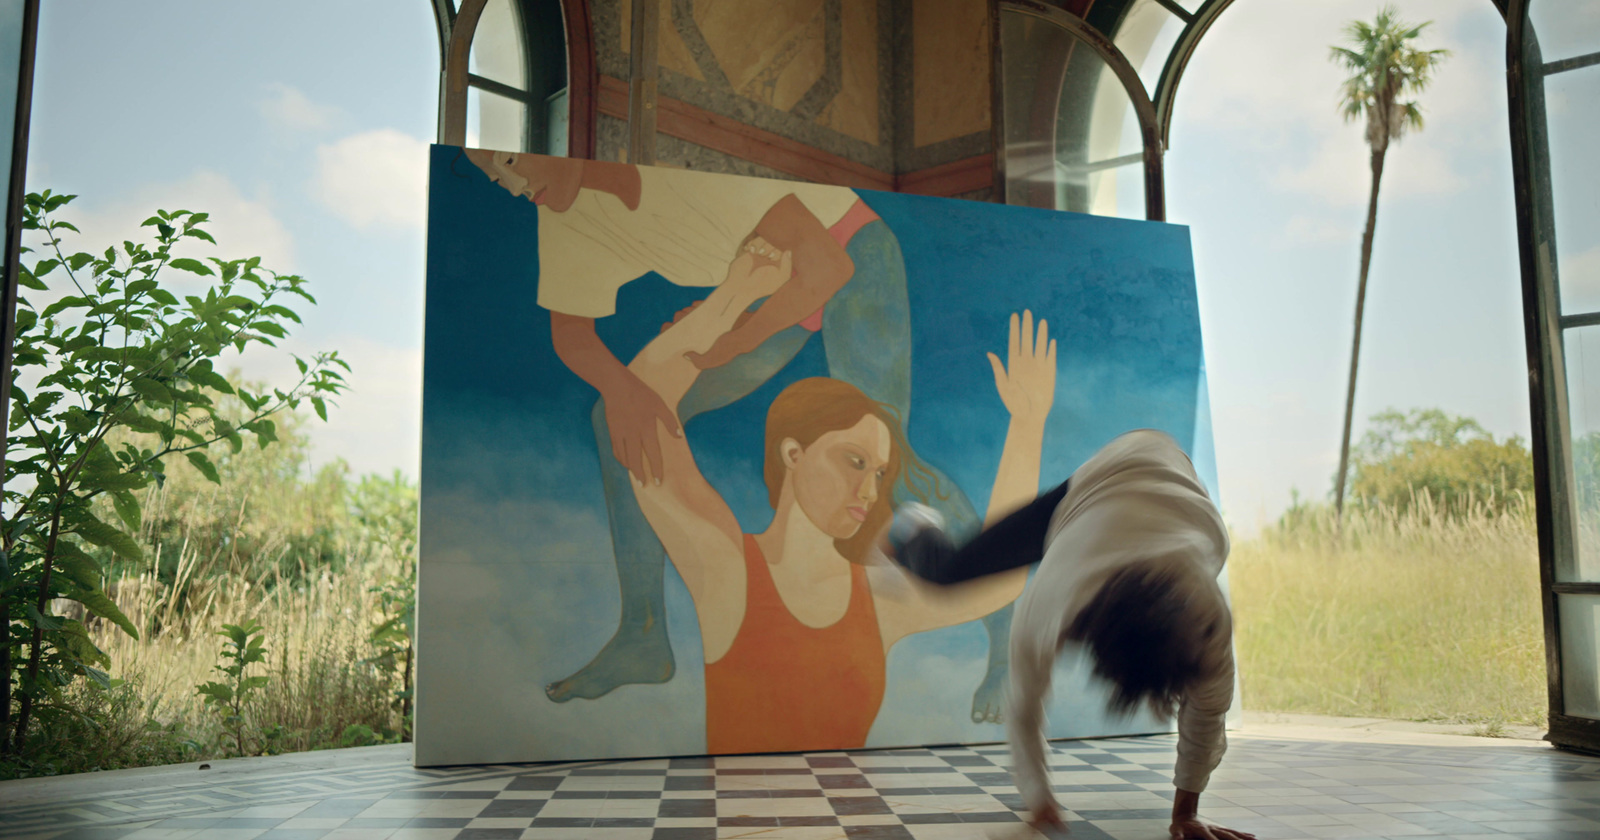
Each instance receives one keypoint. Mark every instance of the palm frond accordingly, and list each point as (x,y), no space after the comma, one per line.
(1384,66)
(1413,116)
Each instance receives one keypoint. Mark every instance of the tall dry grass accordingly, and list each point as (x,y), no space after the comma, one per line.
(1424,614)
(316,640)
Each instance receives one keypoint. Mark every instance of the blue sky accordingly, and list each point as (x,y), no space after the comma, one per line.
(302,127)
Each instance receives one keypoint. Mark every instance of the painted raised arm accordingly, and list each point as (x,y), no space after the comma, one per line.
(694,523)
(1027,386)
(664,365)
(1026,382)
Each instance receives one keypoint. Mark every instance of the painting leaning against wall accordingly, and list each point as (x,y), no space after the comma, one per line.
(666,414)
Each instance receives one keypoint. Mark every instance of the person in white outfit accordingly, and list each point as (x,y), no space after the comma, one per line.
(1129,550)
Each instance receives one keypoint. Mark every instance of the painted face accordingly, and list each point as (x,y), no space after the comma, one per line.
(547,181)
(840,476)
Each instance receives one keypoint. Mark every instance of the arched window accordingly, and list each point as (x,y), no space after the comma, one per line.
(1079,131)
(510,80)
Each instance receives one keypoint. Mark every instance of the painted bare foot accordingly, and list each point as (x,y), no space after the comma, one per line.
(988,702)
(632,657)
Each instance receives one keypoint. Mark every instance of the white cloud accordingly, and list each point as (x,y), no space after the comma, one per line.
(377,425)
(1339,171)
(1294,105)
(375,179)
(1317,230)
(244,226)
(288,108)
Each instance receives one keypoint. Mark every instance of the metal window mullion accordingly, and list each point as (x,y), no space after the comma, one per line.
(1100,165)
(1166,92)
(453,85)
(1549,427)
(500,89)
(1573,63)
(1178,11)
(1582,319)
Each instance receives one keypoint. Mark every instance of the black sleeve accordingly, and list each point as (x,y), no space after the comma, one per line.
(1017,540)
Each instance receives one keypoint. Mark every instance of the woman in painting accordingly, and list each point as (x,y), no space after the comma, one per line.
(603,225)
(795,621)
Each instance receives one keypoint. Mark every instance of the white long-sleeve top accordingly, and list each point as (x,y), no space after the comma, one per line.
(1136,499)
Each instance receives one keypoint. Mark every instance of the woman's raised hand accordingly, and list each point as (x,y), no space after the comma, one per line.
(759,269)
(1027,381)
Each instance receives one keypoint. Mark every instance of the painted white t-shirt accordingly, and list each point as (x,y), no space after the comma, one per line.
(688,227)
(1138,498)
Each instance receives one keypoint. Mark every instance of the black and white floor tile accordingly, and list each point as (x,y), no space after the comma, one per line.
(1118,788)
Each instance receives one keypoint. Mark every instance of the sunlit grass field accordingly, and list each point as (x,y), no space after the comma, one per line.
(1413,616)
(316,642)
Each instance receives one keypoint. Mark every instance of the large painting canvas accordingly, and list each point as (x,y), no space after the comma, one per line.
(667,413)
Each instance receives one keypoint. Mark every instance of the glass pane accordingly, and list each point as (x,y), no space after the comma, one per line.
(556,123)
(1572,113)
(497,49)
(1068,123)
(1566,28)
(10,69)
(1191,6)
(1145,37)
(495,122)
(1582,353)
(1103,191)
(1580,652)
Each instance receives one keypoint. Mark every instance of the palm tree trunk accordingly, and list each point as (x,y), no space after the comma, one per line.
(1355,347)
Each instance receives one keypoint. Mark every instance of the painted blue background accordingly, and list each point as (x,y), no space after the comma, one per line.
(517,587)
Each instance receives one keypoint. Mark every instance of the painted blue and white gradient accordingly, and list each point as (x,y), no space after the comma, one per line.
(518,585)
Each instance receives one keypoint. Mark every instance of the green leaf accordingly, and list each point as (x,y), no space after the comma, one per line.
(74,638)
(47,622)
(193,266)
(97,603)
(26,278)
(77,565)
(321,407)
(104,473)
(150,389)
(93,531)
(128,509)
(204,465)
(266,432)
(146,424)
(215,692)
(210,379)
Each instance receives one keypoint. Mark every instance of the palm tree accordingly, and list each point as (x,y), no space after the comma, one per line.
(1383,67)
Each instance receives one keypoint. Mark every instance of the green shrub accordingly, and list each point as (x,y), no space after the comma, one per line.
(1449,460)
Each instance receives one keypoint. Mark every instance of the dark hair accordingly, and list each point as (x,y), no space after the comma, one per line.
(1148,634)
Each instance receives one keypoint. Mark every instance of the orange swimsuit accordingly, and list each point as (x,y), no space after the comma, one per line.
(786,687)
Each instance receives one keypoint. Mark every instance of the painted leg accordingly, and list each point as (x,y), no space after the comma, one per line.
(867,334)
(640,651)
(988,702)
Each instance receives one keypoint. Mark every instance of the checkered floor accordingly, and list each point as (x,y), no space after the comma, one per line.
(1117,788)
